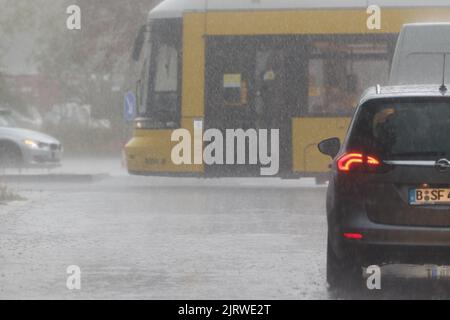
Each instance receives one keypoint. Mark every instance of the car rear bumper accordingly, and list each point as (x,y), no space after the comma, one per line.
(379,254)
(389,243)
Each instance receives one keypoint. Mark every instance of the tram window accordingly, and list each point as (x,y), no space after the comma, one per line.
(319,76)
(166,75)
(163,80)
(235,90)
(270,83)
(142,89)
(339,72)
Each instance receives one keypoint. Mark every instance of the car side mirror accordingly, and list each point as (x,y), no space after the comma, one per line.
(330,147)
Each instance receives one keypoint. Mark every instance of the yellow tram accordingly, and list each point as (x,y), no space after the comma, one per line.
(297,66)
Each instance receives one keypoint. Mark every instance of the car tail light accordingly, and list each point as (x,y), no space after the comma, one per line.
(353,236)
(349,160)
(352,161)
(372,161)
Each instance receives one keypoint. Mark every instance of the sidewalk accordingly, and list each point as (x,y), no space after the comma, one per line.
(76,166)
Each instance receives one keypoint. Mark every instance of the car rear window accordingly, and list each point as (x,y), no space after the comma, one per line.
(403,128)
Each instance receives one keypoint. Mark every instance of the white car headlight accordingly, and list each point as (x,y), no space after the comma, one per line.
(31,143)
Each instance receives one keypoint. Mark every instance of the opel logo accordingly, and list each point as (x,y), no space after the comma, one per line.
(443,165)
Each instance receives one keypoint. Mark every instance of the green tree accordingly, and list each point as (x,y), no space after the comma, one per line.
(17,18)
(81,59)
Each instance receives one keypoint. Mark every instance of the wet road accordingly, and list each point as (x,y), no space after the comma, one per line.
(171,238)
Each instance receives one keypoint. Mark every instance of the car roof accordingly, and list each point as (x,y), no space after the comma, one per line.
(405,91)
(176,8)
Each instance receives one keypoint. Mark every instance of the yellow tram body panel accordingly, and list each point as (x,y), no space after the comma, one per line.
(149,151)
(306,134)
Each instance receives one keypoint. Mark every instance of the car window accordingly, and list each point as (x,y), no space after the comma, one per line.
(402,129)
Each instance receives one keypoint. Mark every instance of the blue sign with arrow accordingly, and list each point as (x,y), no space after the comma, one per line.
(129,106)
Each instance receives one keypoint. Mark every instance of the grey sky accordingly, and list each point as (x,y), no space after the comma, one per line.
(21,25)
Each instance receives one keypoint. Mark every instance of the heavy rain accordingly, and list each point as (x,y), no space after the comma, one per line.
(194,150)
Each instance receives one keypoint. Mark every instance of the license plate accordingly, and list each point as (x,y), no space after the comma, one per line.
(429,196)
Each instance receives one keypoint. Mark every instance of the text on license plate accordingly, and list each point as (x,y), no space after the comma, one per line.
(429,196)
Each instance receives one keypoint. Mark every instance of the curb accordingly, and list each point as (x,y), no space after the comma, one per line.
(52,178)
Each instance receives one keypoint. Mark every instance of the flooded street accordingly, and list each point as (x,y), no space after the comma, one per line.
(158,238)
(170,238)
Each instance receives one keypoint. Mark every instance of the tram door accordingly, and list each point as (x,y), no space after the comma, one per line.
(249,87)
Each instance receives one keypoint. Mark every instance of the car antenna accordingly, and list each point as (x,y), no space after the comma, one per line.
(443,88)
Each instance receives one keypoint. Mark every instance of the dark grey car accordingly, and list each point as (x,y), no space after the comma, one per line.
(389,194)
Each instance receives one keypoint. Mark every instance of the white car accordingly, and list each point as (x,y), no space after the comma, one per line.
(26,148)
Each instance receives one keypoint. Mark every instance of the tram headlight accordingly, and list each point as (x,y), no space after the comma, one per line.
(146,123)
(138,124)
